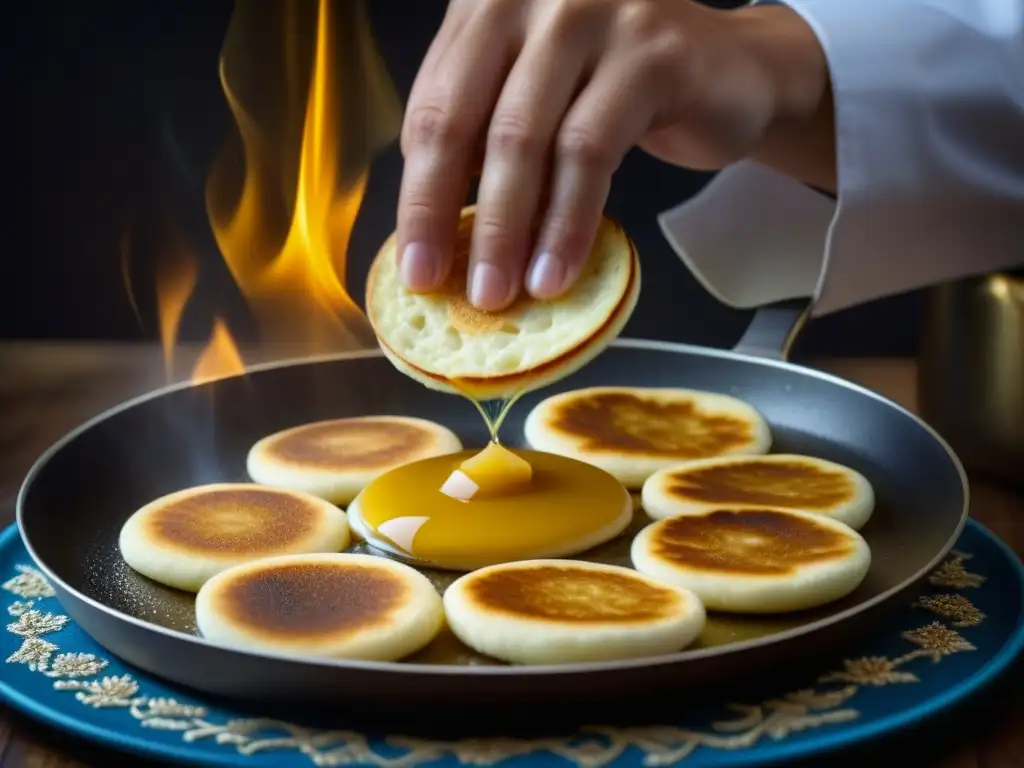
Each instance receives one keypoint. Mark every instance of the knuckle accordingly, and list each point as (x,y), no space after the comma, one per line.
(572,235)
(511,134)
(639,19)
(664,49)
(496,12)
(569,14)
(562,231)
(665,41)
(418,216)
(656,63)
(493,235)
(431,125)
(417,207)
(497,6)
(655,47)
(581,146)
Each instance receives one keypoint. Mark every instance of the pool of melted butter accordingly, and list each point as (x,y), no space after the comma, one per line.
(125,590)
(567,502)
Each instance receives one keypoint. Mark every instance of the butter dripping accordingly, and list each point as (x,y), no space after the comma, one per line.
(493,412)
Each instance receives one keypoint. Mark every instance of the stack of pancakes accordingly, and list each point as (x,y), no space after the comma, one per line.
(726,526)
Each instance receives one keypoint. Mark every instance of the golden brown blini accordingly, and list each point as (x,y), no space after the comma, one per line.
(338,605)
(754,560)
(633,432)
(563,611)
(185,538)
(777,480)
(335,459)
(445,343)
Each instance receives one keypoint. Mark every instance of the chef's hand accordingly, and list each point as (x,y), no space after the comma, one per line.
(549,95)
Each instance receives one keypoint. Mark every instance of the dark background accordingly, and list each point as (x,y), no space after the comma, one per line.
(113,111)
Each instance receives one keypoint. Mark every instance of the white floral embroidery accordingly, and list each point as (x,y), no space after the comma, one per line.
(955,608)
(28,583)
(34,653)
(937,641)
(17,608)
(76,665)
(953,573)
(34,623)
(118,691)
(870,670)
(592,747)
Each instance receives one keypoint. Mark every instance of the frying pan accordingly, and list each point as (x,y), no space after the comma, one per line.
(79,493)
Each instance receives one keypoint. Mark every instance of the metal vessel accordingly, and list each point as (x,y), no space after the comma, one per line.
(80,492)
(971,371)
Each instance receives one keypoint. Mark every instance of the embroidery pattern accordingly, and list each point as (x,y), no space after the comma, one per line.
(828,703)
(954,574)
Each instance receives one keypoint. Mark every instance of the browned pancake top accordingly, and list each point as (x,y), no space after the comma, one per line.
(624,422)
(758,542)
(461,313)
(235,521)
(575,595)
(798,484)
(304,600)
(344,444)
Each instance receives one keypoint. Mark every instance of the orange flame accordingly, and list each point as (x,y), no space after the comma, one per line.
(175,282)
(312,103)
(286,250)
(219,358)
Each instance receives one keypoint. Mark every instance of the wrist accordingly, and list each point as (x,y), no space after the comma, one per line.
(799,139)
(788,52)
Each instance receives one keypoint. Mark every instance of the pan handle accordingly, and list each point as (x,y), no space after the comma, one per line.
(774,328)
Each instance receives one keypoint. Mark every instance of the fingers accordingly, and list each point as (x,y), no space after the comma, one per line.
(447,114)
(607,119)
(548,158)
(536,95)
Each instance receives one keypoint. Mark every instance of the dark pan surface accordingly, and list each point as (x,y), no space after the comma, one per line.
(76,499)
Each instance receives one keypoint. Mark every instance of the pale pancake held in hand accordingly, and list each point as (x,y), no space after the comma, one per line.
(754,560)
(337,605)
(185,538)
(567,508)
(633,432)
(335,459)
(778,480)
(564,611)
(445,343)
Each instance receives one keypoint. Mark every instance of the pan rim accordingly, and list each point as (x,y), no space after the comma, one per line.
(443,671)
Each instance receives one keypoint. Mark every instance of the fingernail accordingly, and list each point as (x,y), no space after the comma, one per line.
(488,286)
(546,276)
(420,267)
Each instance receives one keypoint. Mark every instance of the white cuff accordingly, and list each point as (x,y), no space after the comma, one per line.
(929,112)
(929,115)
(752,236)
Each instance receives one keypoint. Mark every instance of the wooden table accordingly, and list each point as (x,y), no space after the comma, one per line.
(45,389)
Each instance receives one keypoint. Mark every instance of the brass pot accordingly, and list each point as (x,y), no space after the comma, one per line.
(971,372)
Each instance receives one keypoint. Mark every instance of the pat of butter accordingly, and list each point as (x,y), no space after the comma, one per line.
(495,471)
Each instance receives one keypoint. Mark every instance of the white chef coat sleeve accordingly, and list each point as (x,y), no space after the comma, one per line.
(929,115)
